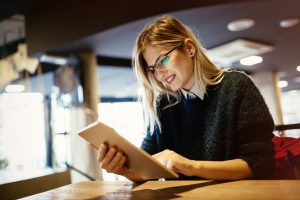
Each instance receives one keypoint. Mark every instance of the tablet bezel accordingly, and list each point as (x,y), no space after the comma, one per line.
(138,160)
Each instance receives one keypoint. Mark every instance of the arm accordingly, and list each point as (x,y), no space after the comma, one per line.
(254,155)
(215,170)
(149,143)
(254,127)
(222,170)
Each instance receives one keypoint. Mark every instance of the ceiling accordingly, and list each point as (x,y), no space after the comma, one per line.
(210,23)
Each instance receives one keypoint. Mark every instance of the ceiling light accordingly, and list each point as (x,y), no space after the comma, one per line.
(288,22)
(251,60)
(298,68)
(53,59)
(240,25)
(235,50)
(282,84)
(14,88)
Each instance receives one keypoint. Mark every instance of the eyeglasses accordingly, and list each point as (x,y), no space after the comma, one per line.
(162,61)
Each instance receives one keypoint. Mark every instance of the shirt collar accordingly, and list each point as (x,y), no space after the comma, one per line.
(194,92)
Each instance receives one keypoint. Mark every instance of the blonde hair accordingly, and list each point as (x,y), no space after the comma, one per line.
(168,32)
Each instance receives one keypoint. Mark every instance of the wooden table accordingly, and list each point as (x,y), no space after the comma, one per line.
(246,189)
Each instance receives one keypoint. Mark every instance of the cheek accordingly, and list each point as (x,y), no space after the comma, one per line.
(183,66)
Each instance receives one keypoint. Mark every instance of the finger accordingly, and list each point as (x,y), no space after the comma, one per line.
(162,161)
(162,153)
(102,152)
(178,168)
(108,157)
(121,164)
(157,155)
(115,161)
(170,164)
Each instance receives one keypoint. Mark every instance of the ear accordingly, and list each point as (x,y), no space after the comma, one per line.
(190,47)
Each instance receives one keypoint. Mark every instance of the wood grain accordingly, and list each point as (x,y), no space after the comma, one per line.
(242,190)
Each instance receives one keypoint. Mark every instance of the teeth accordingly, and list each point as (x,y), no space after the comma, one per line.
(170,78)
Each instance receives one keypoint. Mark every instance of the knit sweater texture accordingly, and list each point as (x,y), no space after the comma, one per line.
(231,122)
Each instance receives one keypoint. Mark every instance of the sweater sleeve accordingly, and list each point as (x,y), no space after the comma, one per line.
(255,127)
(149,143)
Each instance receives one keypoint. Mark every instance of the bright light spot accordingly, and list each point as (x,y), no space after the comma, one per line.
(286,23)
(128,122)
(240,25)
(22,130)
(298,68)
(282,84)
(54,59)
(14,88)
(251,60)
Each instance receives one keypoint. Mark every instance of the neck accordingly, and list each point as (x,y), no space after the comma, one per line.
(188,86)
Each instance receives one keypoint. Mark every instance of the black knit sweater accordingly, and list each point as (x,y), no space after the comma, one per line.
(232,121)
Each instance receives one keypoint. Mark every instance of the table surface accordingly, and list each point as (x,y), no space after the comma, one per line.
(244,189)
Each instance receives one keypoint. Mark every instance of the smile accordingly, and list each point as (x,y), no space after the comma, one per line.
(170,79)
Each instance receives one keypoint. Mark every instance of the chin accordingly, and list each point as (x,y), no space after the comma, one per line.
(174,88)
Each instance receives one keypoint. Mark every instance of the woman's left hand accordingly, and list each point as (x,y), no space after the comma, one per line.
(175,162)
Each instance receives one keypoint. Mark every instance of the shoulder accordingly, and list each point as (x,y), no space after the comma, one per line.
(234,84)
(236,77)
(236,80)
(241,86)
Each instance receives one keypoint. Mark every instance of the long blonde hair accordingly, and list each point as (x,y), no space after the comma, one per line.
(168,32)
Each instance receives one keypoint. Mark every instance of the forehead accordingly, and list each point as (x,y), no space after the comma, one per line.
(152,52)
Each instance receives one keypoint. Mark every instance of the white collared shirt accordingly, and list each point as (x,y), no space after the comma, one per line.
(193,93)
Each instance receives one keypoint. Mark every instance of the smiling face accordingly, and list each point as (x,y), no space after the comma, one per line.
(179,70)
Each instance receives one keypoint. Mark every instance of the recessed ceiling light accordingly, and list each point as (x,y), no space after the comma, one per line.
(240,25)
(14,88)
(251,60)
(237,49)
(288,22)
(298,68)
(282,84)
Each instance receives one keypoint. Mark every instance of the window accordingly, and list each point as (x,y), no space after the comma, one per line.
(127,119)
(22,131)
(291,110)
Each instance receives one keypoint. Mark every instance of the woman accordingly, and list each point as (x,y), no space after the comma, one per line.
(203,122)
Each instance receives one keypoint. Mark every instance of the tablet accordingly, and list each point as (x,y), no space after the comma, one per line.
(138,160)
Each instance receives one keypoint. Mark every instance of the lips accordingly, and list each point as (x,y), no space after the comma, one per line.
(170,79)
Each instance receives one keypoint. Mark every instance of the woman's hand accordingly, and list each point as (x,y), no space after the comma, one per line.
(113,160)
(175,162)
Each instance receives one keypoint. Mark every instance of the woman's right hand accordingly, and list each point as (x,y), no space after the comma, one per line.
(113,160)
